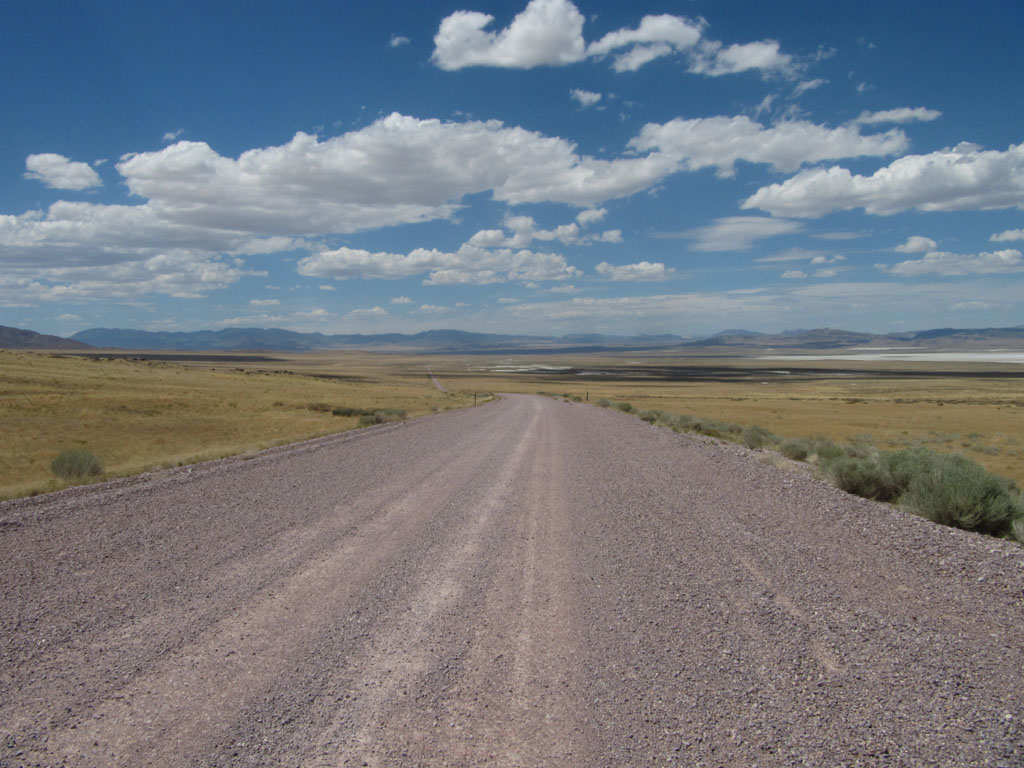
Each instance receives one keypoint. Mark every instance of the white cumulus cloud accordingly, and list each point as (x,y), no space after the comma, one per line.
(654,37)
(59,172)
(585,98)
(398,170)
(720,142)
(524,231)
(1008,236)
(716,59)
(954,264)
(641,271)
(550,33)
(917,244)
(469,265)
(958,179)
(591,216)
(547,32)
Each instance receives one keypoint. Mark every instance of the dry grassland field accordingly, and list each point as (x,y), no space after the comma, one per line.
(142,411)
(976,409)
(146,410)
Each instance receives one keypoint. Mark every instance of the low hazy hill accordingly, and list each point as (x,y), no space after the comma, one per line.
(969,338)
(818,338)
(19,338)
(946,339)
(734,341)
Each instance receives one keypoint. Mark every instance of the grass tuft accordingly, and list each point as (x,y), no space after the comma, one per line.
(76,465)
(348,411)
(382,416)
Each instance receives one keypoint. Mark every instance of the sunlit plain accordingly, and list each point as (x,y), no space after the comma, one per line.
(139,413)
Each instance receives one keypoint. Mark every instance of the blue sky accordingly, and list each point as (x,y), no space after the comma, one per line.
(527,167)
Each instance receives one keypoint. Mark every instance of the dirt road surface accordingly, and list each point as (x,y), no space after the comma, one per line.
(527,583)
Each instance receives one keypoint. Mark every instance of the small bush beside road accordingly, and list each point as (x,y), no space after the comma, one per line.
(76,465)
(945,488)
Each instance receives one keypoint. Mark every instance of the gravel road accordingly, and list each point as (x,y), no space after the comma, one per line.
(527,583)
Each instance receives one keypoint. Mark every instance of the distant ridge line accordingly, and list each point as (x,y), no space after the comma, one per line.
(468,342)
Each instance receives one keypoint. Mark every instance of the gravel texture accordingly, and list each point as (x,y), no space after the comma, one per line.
(527,583)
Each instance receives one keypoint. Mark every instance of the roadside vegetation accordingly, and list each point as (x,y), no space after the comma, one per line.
(971,408)
(71,420)
(949,489)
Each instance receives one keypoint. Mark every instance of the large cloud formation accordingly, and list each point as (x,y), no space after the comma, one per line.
(398,170)
(470,265)
(962,178)
(720,142)
(550,33)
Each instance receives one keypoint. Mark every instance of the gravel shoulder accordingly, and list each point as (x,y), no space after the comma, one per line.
(525,583)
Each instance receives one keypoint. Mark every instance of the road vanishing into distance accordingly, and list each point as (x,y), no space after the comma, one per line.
(526,583)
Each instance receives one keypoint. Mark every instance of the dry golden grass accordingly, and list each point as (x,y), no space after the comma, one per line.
(135,415)
(975,409)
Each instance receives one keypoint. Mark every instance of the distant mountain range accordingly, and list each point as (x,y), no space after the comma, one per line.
(17,338)
(466,342)
(833,339)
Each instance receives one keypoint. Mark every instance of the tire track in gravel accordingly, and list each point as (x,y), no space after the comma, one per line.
(365,729)
(528,583)
(518,688)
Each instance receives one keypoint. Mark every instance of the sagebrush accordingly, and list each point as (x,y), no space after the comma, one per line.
(75,465)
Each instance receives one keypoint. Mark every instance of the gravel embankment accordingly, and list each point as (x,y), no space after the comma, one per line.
(528,583)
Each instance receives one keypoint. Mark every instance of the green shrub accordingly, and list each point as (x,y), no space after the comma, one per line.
(382,416)
(716,429)
(1017,529)
(860,476)
(347,411)
(604,402)
(74,465)
(675,422)
(858,449)
(649,416)
(756,437)
(798,450)
(959,492)
(826,450)
(626,407)
(901,467)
